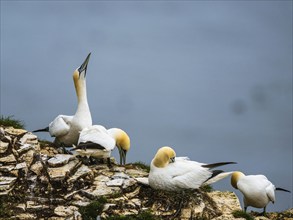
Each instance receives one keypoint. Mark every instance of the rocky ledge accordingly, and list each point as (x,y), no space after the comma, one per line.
(37,182)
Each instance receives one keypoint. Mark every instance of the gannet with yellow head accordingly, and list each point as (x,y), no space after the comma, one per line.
(65,128)
(257,190)
(122,142)
(171,173)
(98,142)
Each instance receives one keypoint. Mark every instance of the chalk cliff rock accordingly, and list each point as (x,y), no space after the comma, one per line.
(37,182)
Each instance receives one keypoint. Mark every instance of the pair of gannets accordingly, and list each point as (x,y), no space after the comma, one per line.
(94,141)
(171,173)
(257,190)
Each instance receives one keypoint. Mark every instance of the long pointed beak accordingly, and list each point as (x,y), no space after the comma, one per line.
(124,157)
(83,66)
(122,154)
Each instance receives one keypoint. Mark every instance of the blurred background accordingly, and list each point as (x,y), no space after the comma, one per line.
(211,79)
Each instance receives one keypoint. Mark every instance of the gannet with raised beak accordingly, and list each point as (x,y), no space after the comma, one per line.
(66,128)
(257,190)
(98,142)
(171,173)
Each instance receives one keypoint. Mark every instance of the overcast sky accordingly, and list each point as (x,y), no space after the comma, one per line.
(212,79)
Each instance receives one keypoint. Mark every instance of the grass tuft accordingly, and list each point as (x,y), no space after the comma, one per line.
(142,165)
(9,121)
(92,210)
(242,214)
(44,143)
(207,188)
(145,215)
(5,211)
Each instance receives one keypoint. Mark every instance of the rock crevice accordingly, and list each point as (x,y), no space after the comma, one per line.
(36,182)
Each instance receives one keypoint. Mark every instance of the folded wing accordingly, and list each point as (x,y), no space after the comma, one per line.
(96,136)
(60,125)
(188,174)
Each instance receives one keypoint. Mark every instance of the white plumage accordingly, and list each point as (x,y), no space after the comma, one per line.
(168,172)
(60,126)
(182,174)
(257,190)
(65,128)
(96,141)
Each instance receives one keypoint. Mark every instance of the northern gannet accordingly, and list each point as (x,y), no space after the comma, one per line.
(66,128)
(98,142)
(257,190)
(171,173)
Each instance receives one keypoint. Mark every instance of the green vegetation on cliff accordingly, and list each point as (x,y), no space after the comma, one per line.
(9,121)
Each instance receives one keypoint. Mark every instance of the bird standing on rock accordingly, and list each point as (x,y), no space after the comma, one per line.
(66,128)
(98,142)
(171,173)
(257,190)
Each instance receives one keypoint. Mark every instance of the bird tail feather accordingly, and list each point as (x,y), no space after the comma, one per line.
(216,176)
(88,145)
(213,165)
(281,189)
(42,130)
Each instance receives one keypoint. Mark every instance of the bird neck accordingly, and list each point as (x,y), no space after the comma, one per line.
(160,161)
(82,107)
(235,178)
(80,88)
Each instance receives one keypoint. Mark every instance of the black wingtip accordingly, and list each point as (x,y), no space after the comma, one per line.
(213,165)
(89,145)
(215,173)
(42,130)
(281,189)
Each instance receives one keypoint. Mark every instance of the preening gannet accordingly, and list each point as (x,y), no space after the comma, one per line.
(98,142)
(172,173)
(257,190)
(65,128)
